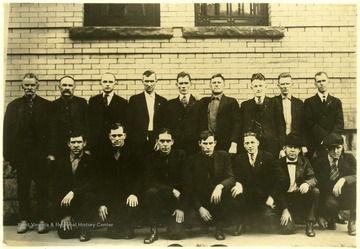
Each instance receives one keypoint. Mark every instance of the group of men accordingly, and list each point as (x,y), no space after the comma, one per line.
(268,163)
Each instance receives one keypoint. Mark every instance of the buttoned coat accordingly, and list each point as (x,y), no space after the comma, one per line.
(322,119)
(270,119)
(186,123)
(227,121)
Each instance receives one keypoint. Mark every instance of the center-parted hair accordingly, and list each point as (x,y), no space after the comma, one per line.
(257,76)
(183,75)
(217,75)
(320,73)
(206,134)
(284,75)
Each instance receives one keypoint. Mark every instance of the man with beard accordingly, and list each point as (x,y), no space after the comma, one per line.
(105,109)
(74,191)
(68,113)
(120,185)
(165,195)
(25,148)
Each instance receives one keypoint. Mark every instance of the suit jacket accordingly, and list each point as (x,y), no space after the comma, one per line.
(297,118)
(139,117)
(101,117)
(186,124)
(83,181)
(166,173)
(304,173)
(119,178)
(347,170)
(270,119)
(66,118)
(322,119)
(18,135)
(259,182)
(205,172)
(227,121)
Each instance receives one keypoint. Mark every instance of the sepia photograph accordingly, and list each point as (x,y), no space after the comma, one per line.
(179,124)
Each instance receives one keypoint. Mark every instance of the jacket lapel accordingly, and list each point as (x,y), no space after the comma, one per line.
(143,104)
(222,103)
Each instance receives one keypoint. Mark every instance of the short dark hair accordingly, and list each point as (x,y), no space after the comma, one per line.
(164,131)
(206,134)
(183,75)
(257,76)
(320,73)
(116,126)
(31,76)
(251,134)
(217,75)
(147,73)
(284,75)
(66,76)
(76,134)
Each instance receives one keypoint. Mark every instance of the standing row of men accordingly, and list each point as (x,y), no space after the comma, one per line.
(36,129)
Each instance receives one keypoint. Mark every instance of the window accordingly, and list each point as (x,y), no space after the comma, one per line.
(122,15)
(231,14)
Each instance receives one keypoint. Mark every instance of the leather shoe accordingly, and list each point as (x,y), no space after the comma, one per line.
(23,227)
(42,227)
(129,232)
(219,234)
(310,229)
(352,228)
(331,224)
(152,237)
(239,229)
(84,235)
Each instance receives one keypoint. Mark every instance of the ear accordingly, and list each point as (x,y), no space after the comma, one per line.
(124,136)
(68,144)
(84,143)
(199,143)
(215,143)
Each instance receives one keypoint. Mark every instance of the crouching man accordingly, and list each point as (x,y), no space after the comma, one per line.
(165,195)
(299,196)
(120,186)
(75,200)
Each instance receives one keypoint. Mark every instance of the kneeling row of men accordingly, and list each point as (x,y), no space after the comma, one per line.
(252,189)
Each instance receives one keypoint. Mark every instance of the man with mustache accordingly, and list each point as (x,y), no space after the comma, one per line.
(105,109)
(25,148)
(68,113)
(323,115)
(223,115)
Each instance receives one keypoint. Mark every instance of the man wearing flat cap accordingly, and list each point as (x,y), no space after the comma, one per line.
(299,196)
(336,174)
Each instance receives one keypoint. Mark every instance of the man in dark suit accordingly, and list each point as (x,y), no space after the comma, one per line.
(145,115)
(105,109)
(263,115)
(292,110)
(336,174)
(68,113)
(210,179)
(75,202)
(223,116)
(323,115)
(165,195)
(120,185)
(25,148)
(300,196)
(258,187)
(184,118)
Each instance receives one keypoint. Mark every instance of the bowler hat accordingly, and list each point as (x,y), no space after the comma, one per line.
(333,139)
(293,139)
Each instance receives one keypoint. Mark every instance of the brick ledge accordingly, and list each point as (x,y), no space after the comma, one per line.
(122,33)
(234,32)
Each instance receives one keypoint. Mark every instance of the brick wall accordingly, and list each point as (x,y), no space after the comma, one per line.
(317,37)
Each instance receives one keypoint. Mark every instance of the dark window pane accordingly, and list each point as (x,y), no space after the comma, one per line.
(122,15)
(231,14)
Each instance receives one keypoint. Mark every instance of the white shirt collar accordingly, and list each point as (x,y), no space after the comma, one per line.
(255,155)
(286,97)
(110,95)
(151,95)
(186,95)
(322,95)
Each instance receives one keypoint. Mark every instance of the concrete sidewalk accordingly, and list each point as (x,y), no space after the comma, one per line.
(324,238)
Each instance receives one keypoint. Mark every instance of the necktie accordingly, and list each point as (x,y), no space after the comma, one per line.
(252,160)
(75,164)
(258,100)
(184,101)
(334,170)
(106,99)
(324,99)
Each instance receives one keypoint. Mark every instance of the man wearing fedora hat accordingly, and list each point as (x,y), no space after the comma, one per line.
(336,174)
(299,196)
